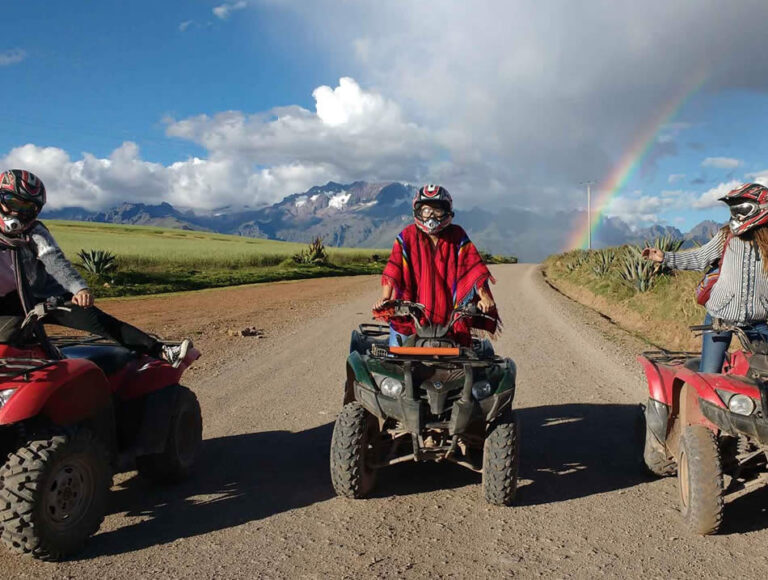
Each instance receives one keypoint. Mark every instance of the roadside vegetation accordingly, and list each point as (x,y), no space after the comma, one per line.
(643,297)
(121,260)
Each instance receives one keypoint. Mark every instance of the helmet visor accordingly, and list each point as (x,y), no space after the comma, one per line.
(428,211)
(745,210)
(23,207)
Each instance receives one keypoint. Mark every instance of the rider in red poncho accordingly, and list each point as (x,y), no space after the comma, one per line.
(433,262)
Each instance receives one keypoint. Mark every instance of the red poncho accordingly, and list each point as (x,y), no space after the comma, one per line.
(440,277)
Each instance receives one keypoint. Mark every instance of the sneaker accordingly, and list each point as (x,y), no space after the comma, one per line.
(174,354)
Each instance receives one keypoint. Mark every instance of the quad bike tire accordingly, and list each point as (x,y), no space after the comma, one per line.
(501,459)
(185,435)
(655,457)
(53,493)
(353,436)
(700,480)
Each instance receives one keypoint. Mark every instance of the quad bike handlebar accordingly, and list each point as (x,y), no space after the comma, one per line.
(416,312)
(42,309)
(719,325)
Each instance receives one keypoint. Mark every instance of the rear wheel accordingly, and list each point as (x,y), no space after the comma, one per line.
(185,434)
(53,493)
(700,480)
(352,449)
(501,459)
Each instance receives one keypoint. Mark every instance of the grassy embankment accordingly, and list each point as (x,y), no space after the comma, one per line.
(152,260)
(660,314)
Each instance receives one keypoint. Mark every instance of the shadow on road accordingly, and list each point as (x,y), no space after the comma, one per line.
(568,451)
(576,450)
(748,513)
(238,479)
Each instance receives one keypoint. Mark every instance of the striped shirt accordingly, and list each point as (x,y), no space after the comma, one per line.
(741,292)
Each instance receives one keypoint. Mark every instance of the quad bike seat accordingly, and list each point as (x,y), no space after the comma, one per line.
(362,343)
(107,357)
(692,364)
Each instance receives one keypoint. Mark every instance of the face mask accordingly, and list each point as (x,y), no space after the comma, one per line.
(432,224)
(11,225)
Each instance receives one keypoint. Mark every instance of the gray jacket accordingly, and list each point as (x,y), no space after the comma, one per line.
(47,270)
(741,292)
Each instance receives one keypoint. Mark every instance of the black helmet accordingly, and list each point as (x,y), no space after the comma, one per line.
(437,196)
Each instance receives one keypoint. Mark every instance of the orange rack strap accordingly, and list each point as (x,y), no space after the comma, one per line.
(424,351)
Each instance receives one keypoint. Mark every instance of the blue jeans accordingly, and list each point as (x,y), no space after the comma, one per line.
(394,336)
(715,344)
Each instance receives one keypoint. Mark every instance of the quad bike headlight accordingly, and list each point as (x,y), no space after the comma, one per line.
(481,390)
(5,396)
(741,405)
(391,387)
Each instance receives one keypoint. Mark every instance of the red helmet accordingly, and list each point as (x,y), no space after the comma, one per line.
(749,207)
(23,193)
(437,197)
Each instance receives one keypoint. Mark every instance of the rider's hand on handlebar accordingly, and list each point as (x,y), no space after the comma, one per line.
(653,254)
(83,298)
(486,304)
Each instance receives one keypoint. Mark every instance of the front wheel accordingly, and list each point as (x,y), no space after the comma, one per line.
(53,493)
(185,433)
(700,480)
(501,459)
(352,445)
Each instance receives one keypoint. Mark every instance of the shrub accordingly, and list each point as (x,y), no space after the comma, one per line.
(636,271)
(603,261)
(314,253)
(98,262)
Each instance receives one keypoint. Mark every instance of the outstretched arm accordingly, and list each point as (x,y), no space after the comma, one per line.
(697,259)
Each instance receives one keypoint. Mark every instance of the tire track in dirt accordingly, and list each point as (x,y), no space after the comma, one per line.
(262,505)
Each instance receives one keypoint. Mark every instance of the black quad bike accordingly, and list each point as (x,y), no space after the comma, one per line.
(429,399)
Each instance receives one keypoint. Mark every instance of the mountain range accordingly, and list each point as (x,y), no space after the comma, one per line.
(369,215)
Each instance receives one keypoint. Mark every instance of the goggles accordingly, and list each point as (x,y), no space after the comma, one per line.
(428,211)
(747,209)
(24,208)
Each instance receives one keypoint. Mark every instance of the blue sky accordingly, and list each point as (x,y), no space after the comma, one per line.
(206,103)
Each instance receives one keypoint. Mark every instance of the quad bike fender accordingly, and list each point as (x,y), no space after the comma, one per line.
(67,392)
(356,371)
(660,380)
(152,375)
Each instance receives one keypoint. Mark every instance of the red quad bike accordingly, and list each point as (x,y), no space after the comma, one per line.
(712,429)
(73,411)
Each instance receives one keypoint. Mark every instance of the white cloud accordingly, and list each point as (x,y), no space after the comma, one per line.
(514,89)
(676,177)
(711,197)
(251,159)
(646,209)
(185,25)
(12,56)
(223,11)
(721,162)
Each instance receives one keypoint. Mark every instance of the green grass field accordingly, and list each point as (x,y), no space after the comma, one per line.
(152,260)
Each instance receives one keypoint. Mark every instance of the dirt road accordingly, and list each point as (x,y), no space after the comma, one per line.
(261,503)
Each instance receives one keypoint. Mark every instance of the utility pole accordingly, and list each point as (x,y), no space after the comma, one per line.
(589,212)
(589,209)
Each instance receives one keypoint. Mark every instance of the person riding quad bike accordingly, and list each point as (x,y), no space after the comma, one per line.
(434,263)
(739,254)
(48,274)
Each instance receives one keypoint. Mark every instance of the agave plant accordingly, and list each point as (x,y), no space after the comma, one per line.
(314,253)
(636,270)
(603,261)
(98,262)
(576,261)
(665,244)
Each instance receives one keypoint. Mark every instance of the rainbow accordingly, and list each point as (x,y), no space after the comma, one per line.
(612,184)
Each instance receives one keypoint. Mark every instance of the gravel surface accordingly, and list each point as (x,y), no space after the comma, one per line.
(261,502)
